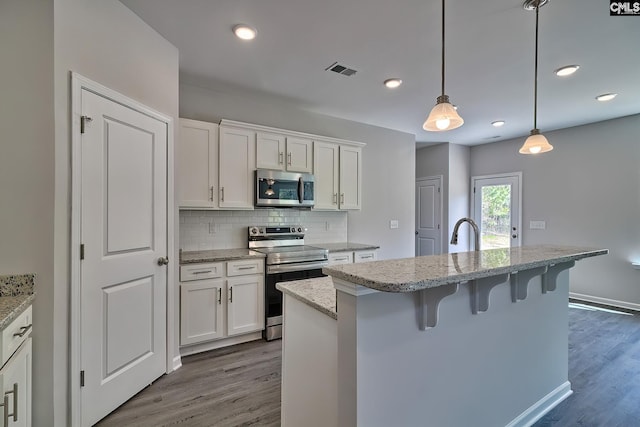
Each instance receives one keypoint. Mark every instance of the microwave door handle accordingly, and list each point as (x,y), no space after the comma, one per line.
(300,190)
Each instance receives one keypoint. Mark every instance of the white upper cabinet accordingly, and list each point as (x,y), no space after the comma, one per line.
(270,151)
(198,164)
(237,164)
(325,165)
(338,172)
(280,152)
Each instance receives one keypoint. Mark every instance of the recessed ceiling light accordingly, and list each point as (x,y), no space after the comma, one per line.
(566,70)
(392,83)
(244,32)
(606,97)
(498,123)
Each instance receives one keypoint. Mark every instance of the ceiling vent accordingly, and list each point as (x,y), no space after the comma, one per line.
(341,69)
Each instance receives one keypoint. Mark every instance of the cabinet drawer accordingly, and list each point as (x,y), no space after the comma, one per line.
(364,256)
(201,271)
(15,334)
(341,258)
(245,266)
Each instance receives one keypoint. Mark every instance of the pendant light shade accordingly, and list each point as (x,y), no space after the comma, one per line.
(443,116)
(536,143)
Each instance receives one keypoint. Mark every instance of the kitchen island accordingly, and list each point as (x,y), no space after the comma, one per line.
(475,338)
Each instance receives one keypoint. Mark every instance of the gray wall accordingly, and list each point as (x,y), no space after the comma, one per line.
(105,42)
(388,159)
(588,191)
(27,168)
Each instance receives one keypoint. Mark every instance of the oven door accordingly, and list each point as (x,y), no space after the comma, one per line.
(273,297)
(284,189)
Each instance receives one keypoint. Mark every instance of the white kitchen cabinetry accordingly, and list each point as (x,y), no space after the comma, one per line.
(237,164)
(221,300)
(287,153)
(349,257)
(338,258)
(198,165)
(16,373)
(338,171)
(365,255)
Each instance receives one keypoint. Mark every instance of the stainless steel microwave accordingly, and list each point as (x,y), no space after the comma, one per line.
(284,189)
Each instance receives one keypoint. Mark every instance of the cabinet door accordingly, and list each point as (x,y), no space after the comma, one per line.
(237,161)
(201,311)
(350,177)
(15,379)
(325,165)
(197,175)
(299,155)
(245,304)
(270,151)
(365,256)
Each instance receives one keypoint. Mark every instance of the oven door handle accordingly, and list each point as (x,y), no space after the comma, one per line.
(300,190)
(285,268)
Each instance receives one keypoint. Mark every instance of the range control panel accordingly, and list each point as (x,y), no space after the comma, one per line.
(286,230)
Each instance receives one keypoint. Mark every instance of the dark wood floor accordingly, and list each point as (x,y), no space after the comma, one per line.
(240,385)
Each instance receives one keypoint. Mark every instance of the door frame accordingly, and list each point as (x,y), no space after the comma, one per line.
(517,175)
(440,179)
(78,84)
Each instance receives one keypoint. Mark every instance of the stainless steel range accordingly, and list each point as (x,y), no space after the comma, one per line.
(288,258)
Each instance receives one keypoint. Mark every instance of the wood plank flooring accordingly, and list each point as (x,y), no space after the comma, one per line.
(240,385)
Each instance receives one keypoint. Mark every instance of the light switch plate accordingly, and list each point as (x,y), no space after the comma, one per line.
(393,223)
(537,225)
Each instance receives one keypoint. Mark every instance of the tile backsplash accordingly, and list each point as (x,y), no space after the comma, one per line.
(201,230)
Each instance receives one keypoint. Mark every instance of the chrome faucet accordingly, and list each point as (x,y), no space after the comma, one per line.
(454,237)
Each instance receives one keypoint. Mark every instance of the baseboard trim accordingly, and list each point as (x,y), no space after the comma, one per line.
(605,301)
(542,406)
(177,362)
(212,345)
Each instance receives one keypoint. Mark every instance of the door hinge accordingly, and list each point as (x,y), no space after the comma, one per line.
(81,378)
(82,251)
(474,190)
(438,189)
(83,121)
(438,226)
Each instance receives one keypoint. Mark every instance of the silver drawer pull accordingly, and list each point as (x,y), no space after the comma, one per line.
(23,330)
(203,272)
(247,268)
(342,259)
(5,405)
(15,403)
(366,256)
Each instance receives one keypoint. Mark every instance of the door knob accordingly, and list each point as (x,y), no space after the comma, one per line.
(416,232)
(163,260)
(515,236)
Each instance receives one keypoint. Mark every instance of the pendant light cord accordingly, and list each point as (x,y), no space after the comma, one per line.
(535,81)
(443,47)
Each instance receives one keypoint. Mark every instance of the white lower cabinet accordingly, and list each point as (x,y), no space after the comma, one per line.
(221,300)
(349,257)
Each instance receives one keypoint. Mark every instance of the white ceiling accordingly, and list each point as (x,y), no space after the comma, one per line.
(489,59)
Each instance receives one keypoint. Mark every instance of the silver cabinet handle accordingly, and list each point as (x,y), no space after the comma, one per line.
(202,272)
(5,405)
(23,330)
(219,295)
(366,256)
(335,198)
(231,294)
(211,193)
(15,404)
(342,198)
(163,260)
(247,268)
(344,258)
(289,156)
(281,158)
(222,191)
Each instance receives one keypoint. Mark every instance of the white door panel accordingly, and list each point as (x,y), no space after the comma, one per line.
(428,216)
(124,232)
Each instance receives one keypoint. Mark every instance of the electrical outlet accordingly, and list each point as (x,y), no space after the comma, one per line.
(537,225)
(327,226)
(393,223)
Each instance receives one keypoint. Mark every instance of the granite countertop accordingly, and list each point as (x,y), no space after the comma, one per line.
(344,246)
(215,255)
(412,274)
(318,293)
(16,294)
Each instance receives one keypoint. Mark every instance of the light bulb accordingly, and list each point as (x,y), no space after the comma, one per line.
(535,149)
(443,123)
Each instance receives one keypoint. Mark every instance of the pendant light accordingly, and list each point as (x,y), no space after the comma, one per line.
(536,143)
(443,116)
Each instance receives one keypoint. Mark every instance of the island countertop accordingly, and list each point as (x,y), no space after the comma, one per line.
(318,293)
(413,274)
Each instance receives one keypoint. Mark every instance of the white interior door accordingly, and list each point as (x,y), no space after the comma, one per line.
(428,216)
(124,235)
(496,208)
